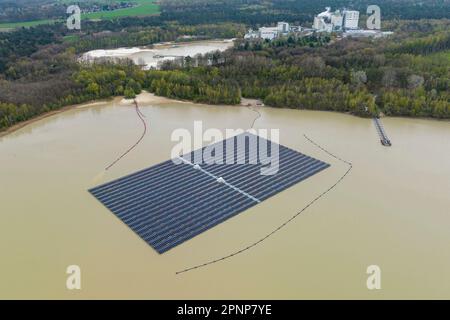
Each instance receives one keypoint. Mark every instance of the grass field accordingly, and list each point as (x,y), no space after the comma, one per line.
(143,8)
(13,25)
(71,38)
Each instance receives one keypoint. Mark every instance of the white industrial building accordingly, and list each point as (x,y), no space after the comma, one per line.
(328,21)
(344,21)
(270,33)
(283,27)
(351,19)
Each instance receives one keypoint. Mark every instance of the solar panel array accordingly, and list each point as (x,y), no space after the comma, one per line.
(169,203)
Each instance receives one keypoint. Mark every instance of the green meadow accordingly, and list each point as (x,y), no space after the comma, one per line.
(143,8)
(13,25)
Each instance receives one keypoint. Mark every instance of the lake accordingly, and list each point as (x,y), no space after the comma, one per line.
(150,58)
(392,209)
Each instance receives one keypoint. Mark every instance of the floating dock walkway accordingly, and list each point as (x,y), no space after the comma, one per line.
(382,133)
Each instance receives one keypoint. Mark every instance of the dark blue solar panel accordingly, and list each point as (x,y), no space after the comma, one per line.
(170,203)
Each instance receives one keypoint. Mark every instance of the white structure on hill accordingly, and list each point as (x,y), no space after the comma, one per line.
(351,19)
(270,33)
(328,21)
(337,21)
(283,27)
(345,22)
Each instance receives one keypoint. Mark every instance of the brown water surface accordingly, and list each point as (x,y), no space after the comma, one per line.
(392,210)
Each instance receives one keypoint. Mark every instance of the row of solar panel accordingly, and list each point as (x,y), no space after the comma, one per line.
(168,204)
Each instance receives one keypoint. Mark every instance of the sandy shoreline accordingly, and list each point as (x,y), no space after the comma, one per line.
(53,163)
(148,98)
(144,97)
(25,123)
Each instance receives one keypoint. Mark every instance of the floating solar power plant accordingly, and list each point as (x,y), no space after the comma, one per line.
(169,203)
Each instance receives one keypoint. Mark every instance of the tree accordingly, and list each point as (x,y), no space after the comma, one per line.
(129,93)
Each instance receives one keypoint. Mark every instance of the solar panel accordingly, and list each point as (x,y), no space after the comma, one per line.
(168,204)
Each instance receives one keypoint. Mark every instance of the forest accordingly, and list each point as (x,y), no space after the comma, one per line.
(25,10)
(258,12)
(243,11)
(405,75)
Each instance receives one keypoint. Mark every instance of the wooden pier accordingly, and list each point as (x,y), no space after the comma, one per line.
(382,133)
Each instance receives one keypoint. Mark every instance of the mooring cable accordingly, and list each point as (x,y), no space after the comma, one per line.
(350,166)
(141,117)
(257,117)
(138,110)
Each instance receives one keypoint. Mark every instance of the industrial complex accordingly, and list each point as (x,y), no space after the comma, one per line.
(344,22)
